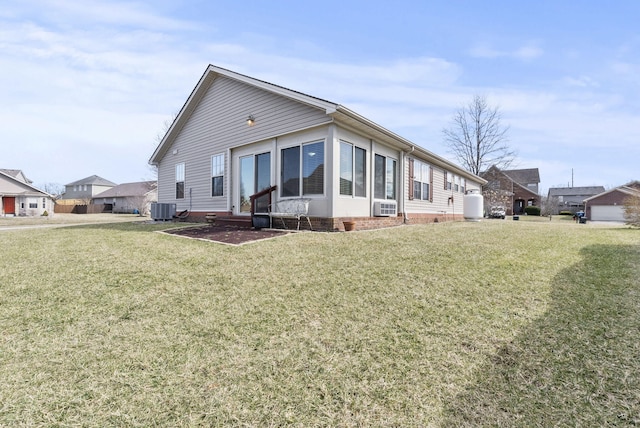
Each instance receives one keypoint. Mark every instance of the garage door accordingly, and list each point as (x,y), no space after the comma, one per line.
(607,213)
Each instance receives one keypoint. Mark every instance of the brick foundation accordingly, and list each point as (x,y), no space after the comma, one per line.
(335,224)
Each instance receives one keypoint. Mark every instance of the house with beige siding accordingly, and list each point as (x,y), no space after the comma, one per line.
(128,198)
(236,136)
(18,196)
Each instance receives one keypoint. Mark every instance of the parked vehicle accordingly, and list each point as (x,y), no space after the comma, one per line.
(497,212)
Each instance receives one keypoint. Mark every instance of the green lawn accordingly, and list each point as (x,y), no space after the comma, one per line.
(497,323)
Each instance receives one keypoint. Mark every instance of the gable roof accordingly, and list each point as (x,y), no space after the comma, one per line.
(576,191)
(523,176)
(336,112)
(630,189)
(493,172)
(30,190)
(93,180)
(17,174)
(139,188)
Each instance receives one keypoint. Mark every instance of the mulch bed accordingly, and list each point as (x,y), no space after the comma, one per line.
(227,234)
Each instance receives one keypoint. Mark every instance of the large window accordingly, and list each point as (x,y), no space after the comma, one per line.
(421,180)
(217,175)
(303,170)
(353,170)
(384,178)
(180,181)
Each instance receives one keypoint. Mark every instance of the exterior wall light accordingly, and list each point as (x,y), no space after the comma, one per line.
(251,120)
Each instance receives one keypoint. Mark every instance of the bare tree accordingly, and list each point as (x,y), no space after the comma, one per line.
(142,203)
(632,210)
(166,125)
(477,138)
(54,189)
(549,205)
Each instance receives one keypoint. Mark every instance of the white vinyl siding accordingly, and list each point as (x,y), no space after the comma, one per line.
(218,124)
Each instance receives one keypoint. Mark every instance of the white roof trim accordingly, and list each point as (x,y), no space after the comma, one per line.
(624,189)
(332,109)
(26,184)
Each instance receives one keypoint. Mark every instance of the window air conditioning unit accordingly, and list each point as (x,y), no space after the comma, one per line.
(385,208)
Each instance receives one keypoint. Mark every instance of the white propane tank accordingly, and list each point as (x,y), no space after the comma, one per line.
(472,205)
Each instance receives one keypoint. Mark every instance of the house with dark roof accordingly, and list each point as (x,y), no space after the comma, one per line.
(129,198)
(571,198)
(18,196)
(86,188)
(513,189)
(609,205)
(239,144)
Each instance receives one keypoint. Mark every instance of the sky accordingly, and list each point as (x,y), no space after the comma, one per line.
(87,87)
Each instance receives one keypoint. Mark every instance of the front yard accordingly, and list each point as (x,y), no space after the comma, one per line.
(498,323)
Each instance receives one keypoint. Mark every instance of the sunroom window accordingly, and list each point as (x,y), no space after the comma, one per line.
(384,177)
(303,170)
(353,170)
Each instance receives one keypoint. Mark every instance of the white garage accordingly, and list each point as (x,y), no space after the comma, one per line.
(607,213)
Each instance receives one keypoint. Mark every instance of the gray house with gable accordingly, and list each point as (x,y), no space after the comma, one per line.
(87,188)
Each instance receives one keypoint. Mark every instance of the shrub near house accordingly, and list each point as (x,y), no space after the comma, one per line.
(532,210)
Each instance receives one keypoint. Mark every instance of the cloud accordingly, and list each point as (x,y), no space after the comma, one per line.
(527,52)
(581,81)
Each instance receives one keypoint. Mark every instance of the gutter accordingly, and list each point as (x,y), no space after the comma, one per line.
(409,146)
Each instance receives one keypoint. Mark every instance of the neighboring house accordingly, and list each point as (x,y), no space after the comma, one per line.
(514,189)
(19,197)
(129,197)
(609,205)
(85,189)
(571,198)
(237,135)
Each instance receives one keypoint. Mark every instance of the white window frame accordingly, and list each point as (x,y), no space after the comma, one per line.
(217,171)
(385,177)
(356,191)
(180,177)
(301,167)
(422,175)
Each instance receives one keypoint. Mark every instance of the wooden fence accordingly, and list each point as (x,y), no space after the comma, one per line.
(82,209)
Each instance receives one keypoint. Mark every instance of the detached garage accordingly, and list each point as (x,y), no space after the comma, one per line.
(609,205)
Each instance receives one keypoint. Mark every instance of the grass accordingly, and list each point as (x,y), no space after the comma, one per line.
(497,323)
(67,219)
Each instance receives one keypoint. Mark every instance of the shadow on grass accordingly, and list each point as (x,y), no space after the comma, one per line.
(578,365)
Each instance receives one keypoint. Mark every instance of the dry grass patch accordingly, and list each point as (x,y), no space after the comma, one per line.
(411,326)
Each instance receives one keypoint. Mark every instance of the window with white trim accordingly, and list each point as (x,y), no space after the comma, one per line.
(384,186)
(353,170)
(180,174)
(217,175)
(302,170)
(421,180)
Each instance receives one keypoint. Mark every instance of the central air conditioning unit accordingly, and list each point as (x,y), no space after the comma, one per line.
(385,208)
(162,211)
